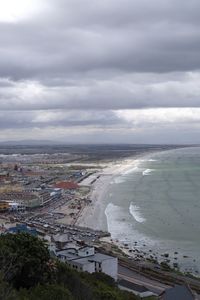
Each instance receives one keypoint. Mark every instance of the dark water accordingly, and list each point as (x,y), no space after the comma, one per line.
(157,204)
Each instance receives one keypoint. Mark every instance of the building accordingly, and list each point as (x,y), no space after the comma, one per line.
(29,200)
(67,185)
(85,259)
(22,228)
(136,289)
(4,205)
(16,207)
(61,240)
(177,292)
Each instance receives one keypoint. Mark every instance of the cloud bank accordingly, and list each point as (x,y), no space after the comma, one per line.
(100,71)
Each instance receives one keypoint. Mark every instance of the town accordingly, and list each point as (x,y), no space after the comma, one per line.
(44,195)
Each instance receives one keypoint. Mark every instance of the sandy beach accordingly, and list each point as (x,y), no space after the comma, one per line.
(124,225)
(93,215)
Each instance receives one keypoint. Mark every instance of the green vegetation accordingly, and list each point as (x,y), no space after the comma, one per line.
(28,273)
(23,260)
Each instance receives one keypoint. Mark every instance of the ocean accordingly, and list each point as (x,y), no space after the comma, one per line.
(155,207)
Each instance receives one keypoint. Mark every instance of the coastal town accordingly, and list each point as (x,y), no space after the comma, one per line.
(51,195)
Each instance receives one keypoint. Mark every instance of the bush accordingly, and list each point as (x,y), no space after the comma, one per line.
(29,274)
(45,292)
(24,260)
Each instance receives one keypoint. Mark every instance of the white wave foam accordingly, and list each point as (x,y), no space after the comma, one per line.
(116,221)
(121,227)
(147,172)
(123,175)
(135,212)
(152,160)
(130,171)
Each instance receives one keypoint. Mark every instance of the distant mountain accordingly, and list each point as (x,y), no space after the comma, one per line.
(29,143)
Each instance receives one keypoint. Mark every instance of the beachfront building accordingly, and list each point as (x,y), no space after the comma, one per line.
(66,185)
(87,260)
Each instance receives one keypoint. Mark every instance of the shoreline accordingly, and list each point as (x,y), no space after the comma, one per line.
(93,215)
(99,184)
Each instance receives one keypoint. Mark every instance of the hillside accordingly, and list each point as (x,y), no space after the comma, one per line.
(29,273)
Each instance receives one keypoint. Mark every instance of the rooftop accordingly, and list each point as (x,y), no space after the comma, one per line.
(72,254)
(133,286)
(66,185)
(181,292)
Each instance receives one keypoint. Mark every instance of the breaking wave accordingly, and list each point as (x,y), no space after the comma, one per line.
(116,221)
(135,212)
(147,172)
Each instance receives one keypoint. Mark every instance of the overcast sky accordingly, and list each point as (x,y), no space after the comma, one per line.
(100,71)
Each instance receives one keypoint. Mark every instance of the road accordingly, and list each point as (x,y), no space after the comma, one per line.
(152,285)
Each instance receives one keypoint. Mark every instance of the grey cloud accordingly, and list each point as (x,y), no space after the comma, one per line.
(128,119)
(78,62)
(121,93)
(110,12)
(42,119)
(128,36)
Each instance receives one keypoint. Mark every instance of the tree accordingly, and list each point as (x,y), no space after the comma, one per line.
(6,291)
(24,260)
(28,273)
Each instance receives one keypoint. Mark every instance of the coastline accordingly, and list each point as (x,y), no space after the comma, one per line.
(93,215)
(142,248)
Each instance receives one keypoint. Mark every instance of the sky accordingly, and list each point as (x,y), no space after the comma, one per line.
(100,71)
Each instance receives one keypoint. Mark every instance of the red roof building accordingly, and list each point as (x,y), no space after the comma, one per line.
(67,185)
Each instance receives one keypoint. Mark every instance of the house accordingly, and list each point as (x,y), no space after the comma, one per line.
(85,259)
(178,292)
(66,185)
(61,240)
(136,289)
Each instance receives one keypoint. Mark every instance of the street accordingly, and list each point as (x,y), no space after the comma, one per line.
(132,276)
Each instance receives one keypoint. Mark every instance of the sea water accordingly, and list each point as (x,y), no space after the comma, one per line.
(156,207)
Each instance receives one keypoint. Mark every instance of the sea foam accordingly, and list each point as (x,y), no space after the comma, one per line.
(135,212)
(147,172)
(129,171)
(120,226)
(116,221)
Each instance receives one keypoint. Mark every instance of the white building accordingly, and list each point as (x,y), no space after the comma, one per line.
(61,240)
(85,259)
(15,206)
